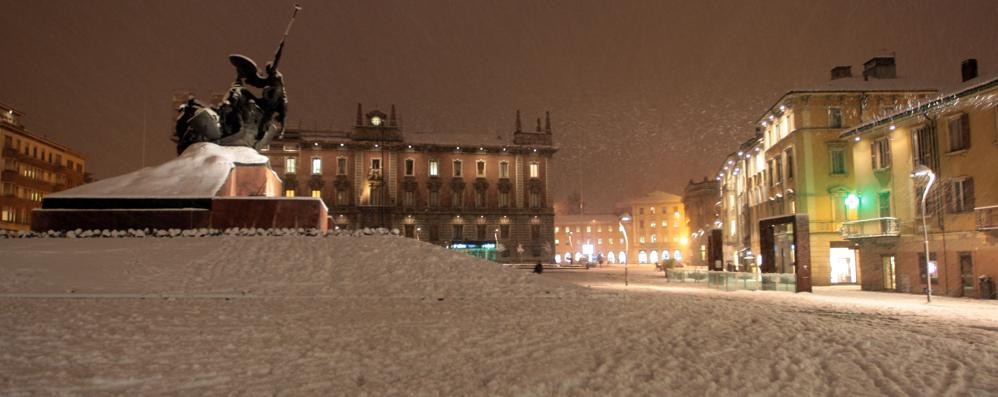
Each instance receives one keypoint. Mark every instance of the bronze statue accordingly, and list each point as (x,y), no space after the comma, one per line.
(242,118)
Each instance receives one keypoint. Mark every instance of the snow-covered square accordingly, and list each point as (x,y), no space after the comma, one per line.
(383,315)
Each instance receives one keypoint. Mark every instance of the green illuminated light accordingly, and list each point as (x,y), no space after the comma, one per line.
(852,201)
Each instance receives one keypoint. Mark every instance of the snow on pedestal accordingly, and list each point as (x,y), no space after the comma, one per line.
(199,172)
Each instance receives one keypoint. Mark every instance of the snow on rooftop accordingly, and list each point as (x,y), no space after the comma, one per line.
(198,172)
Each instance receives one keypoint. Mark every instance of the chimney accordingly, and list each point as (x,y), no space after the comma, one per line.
(547,122)
(360,115)
(841,72)
(538,124)
(391,118)
(969,69)
(880,68)
(519,128)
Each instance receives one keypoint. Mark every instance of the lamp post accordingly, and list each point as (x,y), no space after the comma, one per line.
(921,170)
(625,217)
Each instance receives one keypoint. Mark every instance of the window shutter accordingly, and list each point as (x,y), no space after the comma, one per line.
(949,196)
(965,130)
(873,155)
(887,152)
(968,194)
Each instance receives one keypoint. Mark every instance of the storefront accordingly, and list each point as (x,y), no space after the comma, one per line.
(481,249)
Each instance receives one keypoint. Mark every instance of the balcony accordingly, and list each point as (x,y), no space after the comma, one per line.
(987,217)
(866,228)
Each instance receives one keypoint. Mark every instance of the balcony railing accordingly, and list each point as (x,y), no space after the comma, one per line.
(987,217)
(875,227)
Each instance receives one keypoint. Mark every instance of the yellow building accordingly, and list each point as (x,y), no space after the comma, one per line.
(955,136)
(657,229)
(593,238)
(33,167)
(797,164)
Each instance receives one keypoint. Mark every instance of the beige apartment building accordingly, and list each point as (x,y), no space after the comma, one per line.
(33,167)
(797,164)
(955,136)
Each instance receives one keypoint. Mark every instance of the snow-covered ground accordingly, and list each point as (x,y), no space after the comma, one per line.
(386,315)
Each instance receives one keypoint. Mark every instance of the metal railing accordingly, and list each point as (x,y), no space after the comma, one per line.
(987,217)
(874,227)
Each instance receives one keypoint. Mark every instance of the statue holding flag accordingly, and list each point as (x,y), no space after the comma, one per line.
(242,118)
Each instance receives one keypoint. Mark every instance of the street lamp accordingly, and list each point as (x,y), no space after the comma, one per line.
(919,171)
(625,217)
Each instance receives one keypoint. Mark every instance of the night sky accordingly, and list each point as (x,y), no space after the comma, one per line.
(644,95)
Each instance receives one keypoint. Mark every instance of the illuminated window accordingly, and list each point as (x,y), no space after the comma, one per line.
(651,225)
(599,241)
(290,165)
(654,238)
(316,166)
(289,193)
(556,229)
(504,169)
(589,229)
(317,193)
(434,168)
(535,169)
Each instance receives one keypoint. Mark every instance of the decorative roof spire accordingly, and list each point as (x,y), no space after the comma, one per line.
(519,128)
(538,124)
(547,122)
(391,118)
(360,115)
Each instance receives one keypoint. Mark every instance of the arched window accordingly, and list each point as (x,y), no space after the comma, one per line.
(621,257)
(653,258)
(611,258)
(678,256)
(665,255)
(557,258)
(642,257)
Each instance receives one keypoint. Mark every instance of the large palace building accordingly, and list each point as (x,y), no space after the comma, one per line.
(33,167)
(444,189)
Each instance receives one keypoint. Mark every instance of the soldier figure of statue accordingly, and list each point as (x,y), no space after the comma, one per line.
(243,118)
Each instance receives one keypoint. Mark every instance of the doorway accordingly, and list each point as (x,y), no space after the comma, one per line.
(842,262)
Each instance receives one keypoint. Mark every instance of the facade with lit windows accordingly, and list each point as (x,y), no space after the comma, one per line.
(657,229)
(588,238)
(436,188)
(798,164)
(33,167)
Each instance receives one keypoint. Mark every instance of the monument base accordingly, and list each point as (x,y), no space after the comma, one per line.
(188,213)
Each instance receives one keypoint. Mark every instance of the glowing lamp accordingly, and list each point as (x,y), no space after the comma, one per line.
(852,201)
